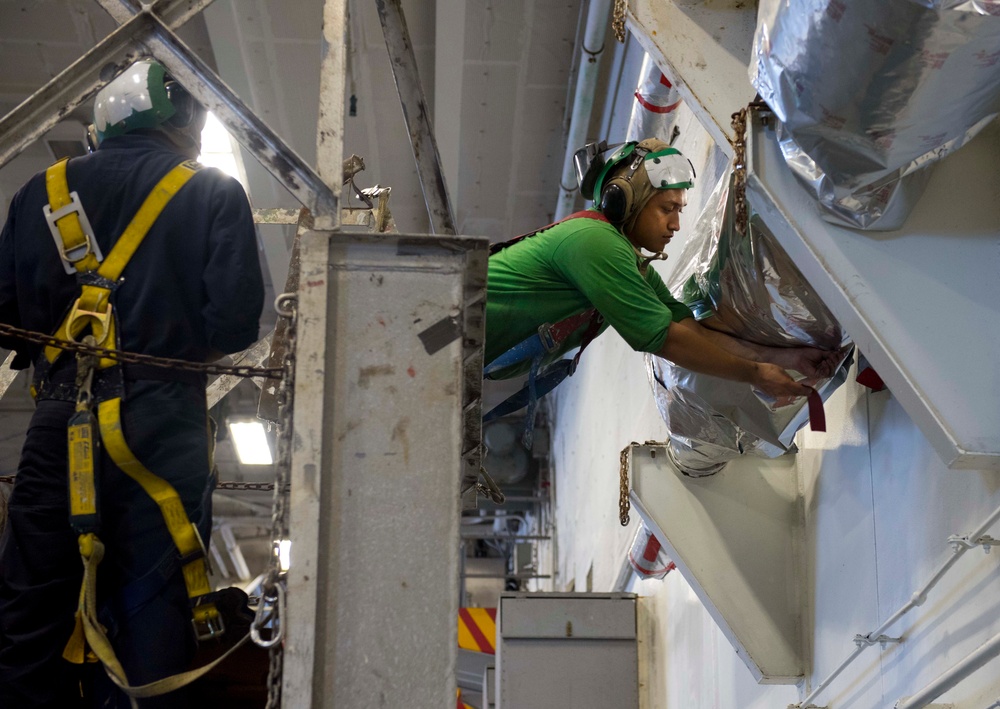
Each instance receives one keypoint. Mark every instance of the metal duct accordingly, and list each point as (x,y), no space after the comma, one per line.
(751,286)
(656,103)
(870,93)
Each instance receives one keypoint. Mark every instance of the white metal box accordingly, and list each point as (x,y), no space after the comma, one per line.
(567,651)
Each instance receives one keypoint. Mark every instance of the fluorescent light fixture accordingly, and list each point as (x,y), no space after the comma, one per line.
(251,442)
(284,554)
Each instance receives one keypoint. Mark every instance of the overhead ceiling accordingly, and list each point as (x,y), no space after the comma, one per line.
(496,73)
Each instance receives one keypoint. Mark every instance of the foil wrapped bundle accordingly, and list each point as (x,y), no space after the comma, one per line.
(869,94)
(752,290)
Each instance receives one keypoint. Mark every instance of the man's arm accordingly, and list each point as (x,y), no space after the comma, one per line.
(810,361)
(688,346)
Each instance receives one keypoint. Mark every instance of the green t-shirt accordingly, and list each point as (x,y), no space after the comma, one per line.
(562,271)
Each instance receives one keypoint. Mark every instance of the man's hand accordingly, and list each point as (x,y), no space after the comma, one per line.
(813,363)
(774,381)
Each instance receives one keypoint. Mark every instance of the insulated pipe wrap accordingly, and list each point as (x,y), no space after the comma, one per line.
(749,286)
(868,94)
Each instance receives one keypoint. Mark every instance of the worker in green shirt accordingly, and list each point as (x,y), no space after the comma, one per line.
(568,282)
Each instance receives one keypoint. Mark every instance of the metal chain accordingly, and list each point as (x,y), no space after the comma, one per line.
(273,587)
(40,338)
(740,170)
(241,486)
(624,505)
(618,20)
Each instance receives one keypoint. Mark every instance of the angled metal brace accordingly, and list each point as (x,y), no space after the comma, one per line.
(145,33)
(7,375)
(173,13)
(415,113)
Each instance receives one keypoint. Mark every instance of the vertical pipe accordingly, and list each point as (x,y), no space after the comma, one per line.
(418,124)
(583,99)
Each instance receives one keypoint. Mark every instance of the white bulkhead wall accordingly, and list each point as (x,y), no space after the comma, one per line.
(879,506)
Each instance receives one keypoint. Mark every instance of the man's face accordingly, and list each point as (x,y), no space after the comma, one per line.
(658,220)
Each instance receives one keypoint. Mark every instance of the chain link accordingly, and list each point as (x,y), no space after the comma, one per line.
(618,20)
(40,338)
(273,587)
(624,505)
(740,170)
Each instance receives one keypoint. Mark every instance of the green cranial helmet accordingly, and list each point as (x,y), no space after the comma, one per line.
(137,98)
(667,169)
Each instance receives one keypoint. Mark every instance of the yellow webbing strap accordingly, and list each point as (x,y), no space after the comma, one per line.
(70,228)
(87,625)
(93,307)
(184,534)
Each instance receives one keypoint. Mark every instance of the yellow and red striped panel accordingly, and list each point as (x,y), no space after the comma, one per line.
(477,629)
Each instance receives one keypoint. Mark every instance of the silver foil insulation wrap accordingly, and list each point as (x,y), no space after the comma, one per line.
(869,94)
(655,107)
(751,289)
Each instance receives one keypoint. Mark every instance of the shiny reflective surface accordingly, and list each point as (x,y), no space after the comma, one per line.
(750,288)
(869,94)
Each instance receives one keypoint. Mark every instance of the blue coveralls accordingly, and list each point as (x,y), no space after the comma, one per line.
(193,286)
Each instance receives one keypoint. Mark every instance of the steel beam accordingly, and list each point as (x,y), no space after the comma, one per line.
(386,327)
(173,13)
(415,114)
(146,34)
(244,125)
(7,375)
(332,90)
(71,87)
(253,356)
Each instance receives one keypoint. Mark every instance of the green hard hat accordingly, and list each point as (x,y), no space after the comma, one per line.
(137,98)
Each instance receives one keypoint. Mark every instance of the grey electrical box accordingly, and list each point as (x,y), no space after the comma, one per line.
(566,651)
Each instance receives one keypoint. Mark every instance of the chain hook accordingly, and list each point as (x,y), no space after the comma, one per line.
(271,609)
(285,304)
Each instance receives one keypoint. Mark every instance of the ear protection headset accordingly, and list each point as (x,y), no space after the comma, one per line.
(616,197)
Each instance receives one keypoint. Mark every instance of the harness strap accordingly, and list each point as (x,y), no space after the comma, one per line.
(93,307)
(67,218)
(182,531)
(586,214)
(88,626)
(535,347)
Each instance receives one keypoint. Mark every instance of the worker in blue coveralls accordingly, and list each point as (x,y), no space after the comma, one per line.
(192,290)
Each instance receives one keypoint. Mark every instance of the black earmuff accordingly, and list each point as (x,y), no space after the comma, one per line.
(617,197)
(617,194)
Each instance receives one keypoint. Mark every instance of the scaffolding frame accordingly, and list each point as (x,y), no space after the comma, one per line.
(147,29)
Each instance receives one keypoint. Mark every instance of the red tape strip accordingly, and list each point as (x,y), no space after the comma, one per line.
(817,417)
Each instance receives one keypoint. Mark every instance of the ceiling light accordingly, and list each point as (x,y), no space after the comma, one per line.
(251,442)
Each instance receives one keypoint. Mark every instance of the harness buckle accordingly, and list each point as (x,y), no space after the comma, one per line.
(206,619)
(99,321)
(72,256)
(545,336)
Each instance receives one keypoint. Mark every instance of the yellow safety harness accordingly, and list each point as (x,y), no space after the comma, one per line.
(93,310)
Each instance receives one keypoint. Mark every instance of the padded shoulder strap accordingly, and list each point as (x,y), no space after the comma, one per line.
(586,214)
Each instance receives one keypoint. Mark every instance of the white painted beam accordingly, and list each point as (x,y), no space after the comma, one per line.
(919,302)
(737,538)
(704,47)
